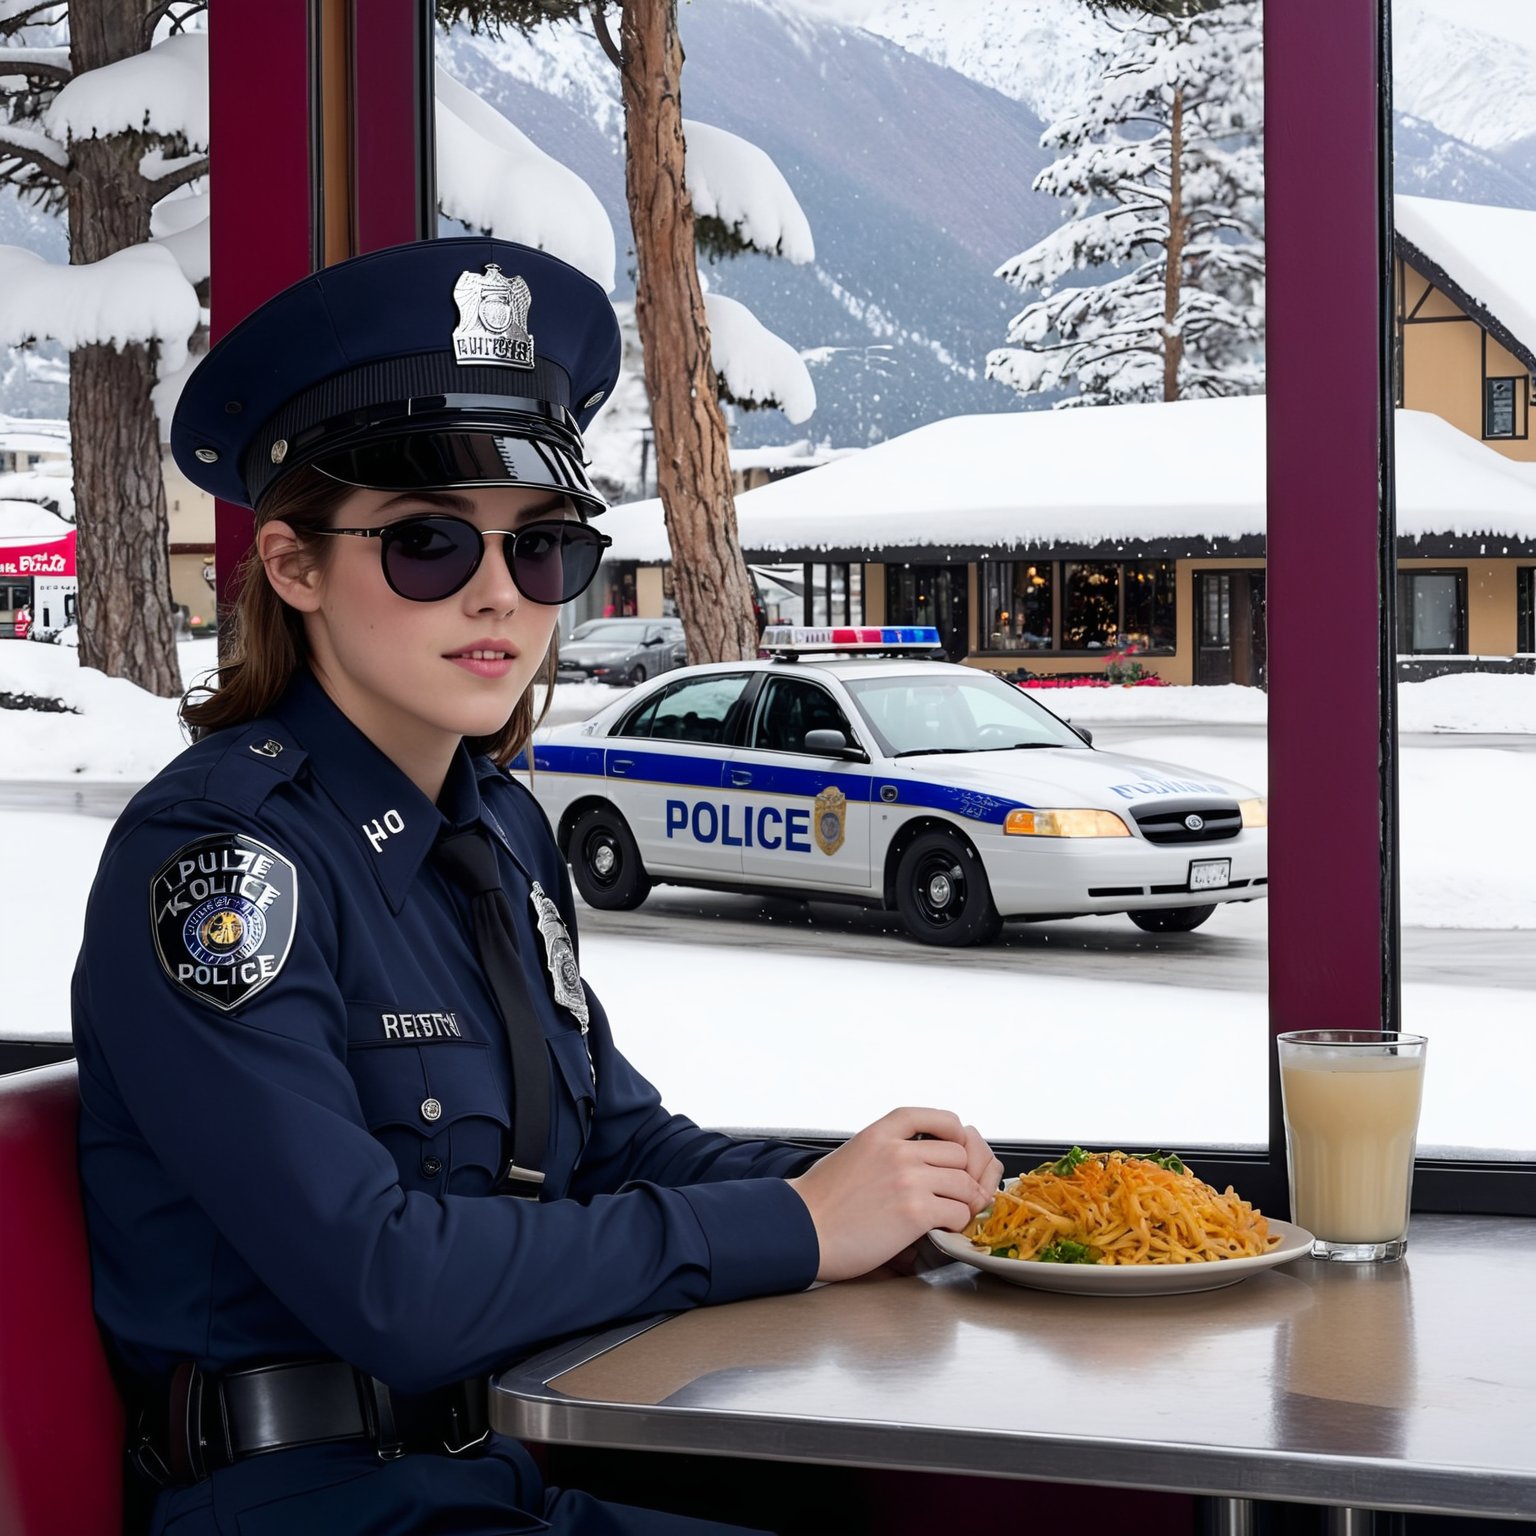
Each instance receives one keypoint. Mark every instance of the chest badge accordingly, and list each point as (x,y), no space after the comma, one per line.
(224,909)
(564,973)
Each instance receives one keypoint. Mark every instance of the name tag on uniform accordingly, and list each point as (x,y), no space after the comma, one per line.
(421,1026)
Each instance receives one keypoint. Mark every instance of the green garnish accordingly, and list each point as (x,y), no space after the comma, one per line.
(1065,1166)
(1005,1253)
(1065,1251)
(1169,1160)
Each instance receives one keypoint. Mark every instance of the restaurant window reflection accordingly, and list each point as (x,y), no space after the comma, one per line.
(1150,608)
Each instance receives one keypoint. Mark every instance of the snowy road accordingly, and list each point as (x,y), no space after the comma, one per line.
(1228,954)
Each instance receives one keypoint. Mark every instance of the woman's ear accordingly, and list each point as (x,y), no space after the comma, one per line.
(292,572)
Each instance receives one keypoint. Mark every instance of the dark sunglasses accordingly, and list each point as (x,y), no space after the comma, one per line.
(431,557)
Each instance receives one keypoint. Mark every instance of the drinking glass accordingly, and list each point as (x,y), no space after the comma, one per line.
(1351,1099)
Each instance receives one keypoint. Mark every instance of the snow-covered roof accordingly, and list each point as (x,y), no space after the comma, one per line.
(1111,474)
(19,435)
(1484,251)
(28,522)
(802,454)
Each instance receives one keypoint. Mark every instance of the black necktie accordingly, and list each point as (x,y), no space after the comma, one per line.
(469,860)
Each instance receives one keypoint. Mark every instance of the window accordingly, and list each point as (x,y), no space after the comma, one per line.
(1525,639)
(834,594)
(1431,613)
(1150,621)
(1090,605)
(1499,407)
(938,712)
(699,710)
(1016,605)
(790,709)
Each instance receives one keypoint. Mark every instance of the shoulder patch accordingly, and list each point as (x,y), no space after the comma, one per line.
(223,909)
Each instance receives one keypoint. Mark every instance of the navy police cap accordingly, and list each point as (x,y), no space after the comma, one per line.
(441,363)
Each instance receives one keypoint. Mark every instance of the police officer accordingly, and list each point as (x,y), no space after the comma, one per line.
(353,1128)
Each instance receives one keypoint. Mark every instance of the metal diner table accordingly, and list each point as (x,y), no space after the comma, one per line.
(1408,1386)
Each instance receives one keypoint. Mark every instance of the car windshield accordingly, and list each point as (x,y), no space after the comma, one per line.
(616,630)
(959,711)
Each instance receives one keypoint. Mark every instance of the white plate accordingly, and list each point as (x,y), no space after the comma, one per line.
(1128,1279)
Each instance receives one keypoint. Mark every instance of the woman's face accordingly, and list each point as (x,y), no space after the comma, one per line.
(406,670)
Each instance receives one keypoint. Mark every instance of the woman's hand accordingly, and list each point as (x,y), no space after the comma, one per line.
(882,1189)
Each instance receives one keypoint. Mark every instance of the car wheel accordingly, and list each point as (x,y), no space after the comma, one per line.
(942,892)
(1171,919)
(605,862)
(636,676)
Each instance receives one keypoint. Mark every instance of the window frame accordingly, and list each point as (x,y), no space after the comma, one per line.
(1525,610)
(1334,956)
(771,681)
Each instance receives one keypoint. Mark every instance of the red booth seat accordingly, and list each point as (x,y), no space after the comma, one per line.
(61,1425)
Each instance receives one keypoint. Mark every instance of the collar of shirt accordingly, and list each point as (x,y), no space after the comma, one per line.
(395,823)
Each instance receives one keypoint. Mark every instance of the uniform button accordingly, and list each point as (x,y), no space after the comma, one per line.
(431,1110)
(431,1166)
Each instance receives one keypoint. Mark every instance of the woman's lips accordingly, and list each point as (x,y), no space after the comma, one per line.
(483,668)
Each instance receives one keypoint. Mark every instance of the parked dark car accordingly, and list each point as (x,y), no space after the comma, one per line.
(622,650)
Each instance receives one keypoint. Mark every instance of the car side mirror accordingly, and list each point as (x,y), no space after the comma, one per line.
(830,744)
(652,640)
(1083,731)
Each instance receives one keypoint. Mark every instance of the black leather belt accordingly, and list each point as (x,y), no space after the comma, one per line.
(201,1423)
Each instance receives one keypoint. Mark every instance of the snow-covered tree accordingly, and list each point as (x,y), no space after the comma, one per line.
(97,123)
(1163,177)
(721,194)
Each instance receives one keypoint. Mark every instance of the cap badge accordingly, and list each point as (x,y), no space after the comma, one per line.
(493,319)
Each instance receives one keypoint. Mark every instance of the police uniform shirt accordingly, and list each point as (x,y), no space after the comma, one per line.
(296,1091)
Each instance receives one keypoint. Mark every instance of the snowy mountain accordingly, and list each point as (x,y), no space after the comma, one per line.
(909,131)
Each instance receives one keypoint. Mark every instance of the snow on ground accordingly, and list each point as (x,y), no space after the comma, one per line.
(1004,1051)
(1467,849)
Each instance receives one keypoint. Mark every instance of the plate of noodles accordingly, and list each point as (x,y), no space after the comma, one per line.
(1118,1224)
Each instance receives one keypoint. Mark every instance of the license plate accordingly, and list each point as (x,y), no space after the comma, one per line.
(1210,874)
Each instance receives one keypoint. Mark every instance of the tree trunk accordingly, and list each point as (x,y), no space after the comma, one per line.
(693,473)
(1173,273)
(124,539)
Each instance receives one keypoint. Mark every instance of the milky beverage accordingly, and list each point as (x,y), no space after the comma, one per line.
(1352,1121)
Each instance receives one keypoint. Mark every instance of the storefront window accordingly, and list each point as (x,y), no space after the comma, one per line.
(1431,613)
(619,590)
(1150,621)
(1525,640)
(1499,407)
(1016,603)
(1090,605)
(834,594)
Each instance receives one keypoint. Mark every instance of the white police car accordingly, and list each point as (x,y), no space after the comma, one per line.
(887,778)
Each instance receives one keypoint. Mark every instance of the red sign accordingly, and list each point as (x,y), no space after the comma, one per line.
(49,557)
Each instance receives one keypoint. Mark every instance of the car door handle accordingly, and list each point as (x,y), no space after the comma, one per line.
(621,764)
(740,777)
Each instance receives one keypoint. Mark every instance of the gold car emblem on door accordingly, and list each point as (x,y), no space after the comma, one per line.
(829,818)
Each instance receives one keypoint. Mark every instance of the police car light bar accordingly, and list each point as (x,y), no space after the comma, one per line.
(793,640)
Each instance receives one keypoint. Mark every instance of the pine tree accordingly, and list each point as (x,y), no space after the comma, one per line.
(1163,177)
(106,181)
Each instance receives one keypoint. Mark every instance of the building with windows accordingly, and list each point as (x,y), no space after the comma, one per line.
(1049,540)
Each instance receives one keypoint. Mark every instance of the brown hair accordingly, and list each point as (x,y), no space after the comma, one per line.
(269,646)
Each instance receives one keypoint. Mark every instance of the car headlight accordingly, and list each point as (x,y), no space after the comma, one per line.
(1255,812)
(1065,824)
